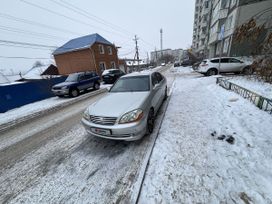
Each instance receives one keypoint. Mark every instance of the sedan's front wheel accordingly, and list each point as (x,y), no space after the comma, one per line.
(150,121)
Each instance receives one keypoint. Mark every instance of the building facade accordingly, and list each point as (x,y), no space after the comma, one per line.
(87,53)
(201,27)
(157,54)
(225,17)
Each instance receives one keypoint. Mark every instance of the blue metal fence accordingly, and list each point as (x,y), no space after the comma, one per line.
(16,95)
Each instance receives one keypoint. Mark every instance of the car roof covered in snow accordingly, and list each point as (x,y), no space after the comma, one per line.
(81,43)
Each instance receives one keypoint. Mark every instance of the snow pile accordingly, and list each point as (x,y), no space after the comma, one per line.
(193,162)
(35,72)
(182,70)
(3,79)
(257,86)
(30,109)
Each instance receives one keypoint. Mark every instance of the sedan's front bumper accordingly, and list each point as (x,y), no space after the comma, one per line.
(127,132)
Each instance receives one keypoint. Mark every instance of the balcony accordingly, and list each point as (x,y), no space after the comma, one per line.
(223,13)
(204,24)
(203,35)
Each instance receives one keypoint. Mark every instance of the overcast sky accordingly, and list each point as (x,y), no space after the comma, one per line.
(118,21)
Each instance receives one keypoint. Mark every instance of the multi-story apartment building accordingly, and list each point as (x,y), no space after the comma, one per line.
(157,54)
(226,16)
(201,27)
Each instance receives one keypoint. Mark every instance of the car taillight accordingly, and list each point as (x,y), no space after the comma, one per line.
(204,65)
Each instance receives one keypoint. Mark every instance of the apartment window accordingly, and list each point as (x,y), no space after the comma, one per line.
(226,45)
(224,4)
(229,23)
(101,49)
(232,3)
(206,4)
(109,50)
(102,66)
(113,65)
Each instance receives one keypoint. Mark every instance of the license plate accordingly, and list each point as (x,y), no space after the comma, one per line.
(101,131)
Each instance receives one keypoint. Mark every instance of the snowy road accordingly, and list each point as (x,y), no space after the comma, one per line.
(53,160)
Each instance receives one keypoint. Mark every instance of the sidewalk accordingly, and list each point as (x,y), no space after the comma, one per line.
(190,164)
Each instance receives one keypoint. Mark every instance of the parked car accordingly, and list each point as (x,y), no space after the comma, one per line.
(163,64)
(77,82)
(109,76)
(132,104)
(228,64)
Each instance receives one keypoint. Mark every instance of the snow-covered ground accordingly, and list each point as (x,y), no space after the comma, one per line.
(257,86)
(182,70)
(190,164)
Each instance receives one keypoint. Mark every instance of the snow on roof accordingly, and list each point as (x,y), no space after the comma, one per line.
(81,43)
(3,79)
(35,72)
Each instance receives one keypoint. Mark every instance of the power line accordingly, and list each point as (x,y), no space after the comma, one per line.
(21,46)
(84,13)
(9,57)
(64,16)
(21,31)
(28,44)
(13,18)
(96,18)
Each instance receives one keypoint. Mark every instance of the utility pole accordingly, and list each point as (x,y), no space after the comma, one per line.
(161,41)
(156,54)
(147,59)
(137,51)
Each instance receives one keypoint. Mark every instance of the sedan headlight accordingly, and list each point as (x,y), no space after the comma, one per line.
(65,87)
(86,115)
(131,116)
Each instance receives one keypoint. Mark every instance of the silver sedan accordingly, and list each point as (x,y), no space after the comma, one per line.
(128,111)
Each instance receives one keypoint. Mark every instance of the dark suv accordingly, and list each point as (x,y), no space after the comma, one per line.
(77,82)
(109,76)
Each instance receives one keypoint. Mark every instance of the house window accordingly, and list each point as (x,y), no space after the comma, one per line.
(109,50)
(101,49)
(113,65)
(102,66)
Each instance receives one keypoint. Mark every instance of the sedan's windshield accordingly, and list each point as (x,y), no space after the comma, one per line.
(72,78)
(128,84)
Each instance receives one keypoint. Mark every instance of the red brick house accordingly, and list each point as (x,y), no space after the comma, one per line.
(87,53)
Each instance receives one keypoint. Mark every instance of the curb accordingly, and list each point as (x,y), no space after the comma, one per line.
(44,112)
(146,160)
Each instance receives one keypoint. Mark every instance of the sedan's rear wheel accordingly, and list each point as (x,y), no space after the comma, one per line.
(150,121)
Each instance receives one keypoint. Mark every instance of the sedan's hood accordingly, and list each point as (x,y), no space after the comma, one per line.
(66,83)
(116,104)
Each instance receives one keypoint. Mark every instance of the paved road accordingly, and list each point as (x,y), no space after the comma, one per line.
(53,160)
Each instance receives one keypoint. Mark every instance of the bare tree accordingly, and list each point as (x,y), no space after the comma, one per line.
(258,40)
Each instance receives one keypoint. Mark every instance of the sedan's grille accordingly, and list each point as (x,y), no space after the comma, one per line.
(56,88)
(103,120)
